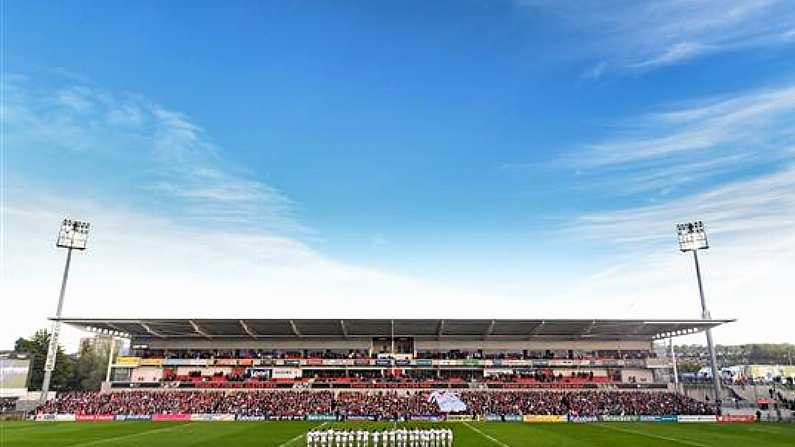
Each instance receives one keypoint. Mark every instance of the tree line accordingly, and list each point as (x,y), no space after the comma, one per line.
(83,371)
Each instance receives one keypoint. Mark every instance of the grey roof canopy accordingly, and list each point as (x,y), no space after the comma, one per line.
(419,328)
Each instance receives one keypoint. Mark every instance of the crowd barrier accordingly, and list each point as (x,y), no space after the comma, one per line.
(327,417)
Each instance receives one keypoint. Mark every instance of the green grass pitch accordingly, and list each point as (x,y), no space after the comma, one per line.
(283,434)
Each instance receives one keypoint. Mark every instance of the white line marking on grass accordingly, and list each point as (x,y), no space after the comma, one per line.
(131,435)
(300,436)
(649,435)
(490,438)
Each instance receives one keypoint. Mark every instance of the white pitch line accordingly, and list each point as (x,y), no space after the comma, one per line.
(490,438)
(300,436)
(649,435)
(132,435)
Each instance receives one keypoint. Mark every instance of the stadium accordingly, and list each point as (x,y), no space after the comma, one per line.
(394,382)
(449,223)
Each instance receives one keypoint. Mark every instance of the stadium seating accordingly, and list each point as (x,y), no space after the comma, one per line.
(381,405)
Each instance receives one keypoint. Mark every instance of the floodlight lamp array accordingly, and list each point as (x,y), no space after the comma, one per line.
(692,236)
(73,234)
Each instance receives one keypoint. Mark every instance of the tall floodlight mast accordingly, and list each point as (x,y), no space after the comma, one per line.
(693,237)
(73,235)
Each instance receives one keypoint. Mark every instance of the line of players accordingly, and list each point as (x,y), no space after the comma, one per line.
(398,437)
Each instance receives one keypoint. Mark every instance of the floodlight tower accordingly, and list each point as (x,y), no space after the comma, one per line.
(693,237)
(73,235)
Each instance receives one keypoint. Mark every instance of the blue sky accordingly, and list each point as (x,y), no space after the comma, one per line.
(489,157)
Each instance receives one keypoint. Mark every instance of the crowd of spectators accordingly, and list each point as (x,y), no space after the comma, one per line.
(382,404)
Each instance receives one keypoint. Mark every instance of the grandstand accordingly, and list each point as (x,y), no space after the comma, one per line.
(390,353)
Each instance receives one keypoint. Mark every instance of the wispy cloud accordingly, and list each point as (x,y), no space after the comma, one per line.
(169,154)
(633,35)
(678,52)
(692,142)
(762,205)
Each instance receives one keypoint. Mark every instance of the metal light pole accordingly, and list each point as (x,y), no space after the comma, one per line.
(673,362)
(72,236)
(693,237)
(110,357)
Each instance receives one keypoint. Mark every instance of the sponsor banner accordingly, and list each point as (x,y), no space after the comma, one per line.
(337,362)
(127,361)
(561,362)
(55,417)
(423,362)
(133,417)
(496,371)
(359,417)
(583,419)
(171,417)
(649,418)
(504,417)
(259,372)
(448,362)
(292,363)
(321,417)
(226,362)
(285,373)
(383,362)
(545,418)
(176,362)
(628,418)
(245,362)
(93,417)
(361,362)
(731,418)
(151,362)
(695,418)
(427,418)
(516,362)
(539,363)
(459,418)
(285,418)
(402,362)
(472,362)
(314,362)
(212,417)
(242,417)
